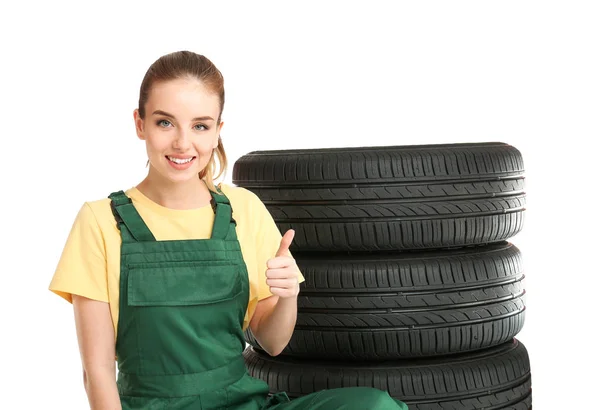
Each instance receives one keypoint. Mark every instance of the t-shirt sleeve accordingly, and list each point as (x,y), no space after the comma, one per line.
(82,266)
(268,241)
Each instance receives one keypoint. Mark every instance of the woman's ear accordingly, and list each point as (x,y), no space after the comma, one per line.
(139,124)
(219,128)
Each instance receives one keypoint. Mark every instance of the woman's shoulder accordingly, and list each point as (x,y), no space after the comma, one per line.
(99,212)
(246,205)
(104,202)
(239,195)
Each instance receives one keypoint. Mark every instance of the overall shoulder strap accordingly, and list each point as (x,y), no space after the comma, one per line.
(130,223)
(223,215)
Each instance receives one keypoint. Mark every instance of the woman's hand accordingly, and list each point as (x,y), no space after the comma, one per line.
(282,271)
(275,317)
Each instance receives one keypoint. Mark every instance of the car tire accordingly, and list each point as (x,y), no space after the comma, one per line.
(390,198)
(409,304)
(492,379)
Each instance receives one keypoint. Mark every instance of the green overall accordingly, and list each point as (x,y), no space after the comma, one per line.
(181,310)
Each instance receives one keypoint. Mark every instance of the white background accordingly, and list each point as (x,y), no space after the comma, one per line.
(303,74)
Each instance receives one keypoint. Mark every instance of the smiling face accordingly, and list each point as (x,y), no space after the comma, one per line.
(180,129)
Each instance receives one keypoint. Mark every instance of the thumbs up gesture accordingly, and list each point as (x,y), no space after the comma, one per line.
(282,272)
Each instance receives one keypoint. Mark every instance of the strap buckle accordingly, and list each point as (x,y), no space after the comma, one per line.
(113,207)
(213,204)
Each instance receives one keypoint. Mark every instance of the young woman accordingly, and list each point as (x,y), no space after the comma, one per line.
(165,276)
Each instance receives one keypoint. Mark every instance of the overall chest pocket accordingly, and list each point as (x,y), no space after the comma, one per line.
(182,283)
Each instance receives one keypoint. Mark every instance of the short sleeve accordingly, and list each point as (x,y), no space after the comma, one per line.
(268,241)
(82,266)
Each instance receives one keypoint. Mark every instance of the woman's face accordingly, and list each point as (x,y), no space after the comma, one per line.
(180,128)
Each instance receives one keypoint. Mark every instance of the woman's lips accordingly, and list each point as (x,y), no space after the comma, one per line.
(183,166)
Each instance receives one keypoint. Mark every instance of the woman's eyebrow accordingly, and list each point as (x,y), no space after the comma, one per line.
(166,114)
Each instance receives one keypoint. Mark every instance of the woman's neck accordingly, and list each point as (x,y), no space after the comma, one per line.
(185,195)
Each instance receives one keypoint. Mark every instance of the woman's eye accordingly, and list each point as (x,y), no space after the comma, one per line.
(200,125)
(164,123)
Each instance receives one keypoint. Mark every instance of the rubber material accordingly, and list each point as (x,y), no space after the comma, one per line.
(390,198)
(492,379)
(388,306)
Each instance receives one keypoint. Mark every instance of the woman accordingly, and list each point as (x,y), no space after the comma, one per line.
(165,276)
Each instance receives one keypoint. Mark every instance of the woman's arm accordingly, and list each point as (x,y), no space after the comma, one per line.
(275,317)
(273,323)
(96,337)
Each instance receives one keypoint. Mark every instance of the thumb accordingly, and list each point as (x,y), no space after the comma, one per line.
(286,241)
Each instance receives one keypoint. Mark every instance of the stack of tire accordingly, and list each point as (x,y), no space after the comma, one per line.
(411,286)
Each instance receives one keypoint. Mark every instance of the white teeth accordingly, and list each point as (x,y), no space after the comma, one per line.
(180,161)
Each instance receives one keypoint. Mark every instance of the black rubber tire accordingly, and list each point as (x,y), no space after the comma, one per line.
(409,304)
(390,198)
(492,379)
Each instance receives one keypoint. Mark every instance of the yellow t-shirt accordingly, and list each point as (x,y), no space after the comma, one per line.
(90,261)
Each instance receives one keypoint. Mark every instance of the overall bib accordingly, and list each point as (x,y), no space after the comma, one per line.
(179,337)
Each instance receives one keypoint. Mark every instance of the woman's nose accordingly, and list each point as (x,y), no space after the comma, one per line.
(182,140)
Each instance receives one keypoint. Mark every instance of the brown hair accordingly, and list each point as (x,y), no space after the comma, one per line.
(182,64)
